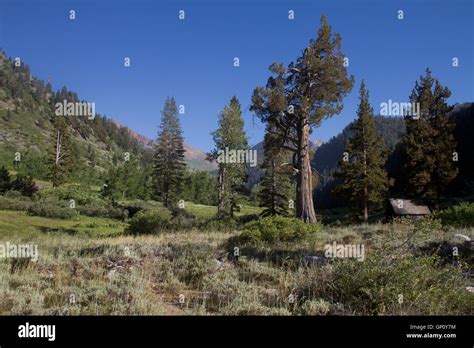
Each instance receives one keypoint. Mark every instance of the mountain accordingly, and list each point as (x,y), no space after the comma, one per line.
(194,157)
(27,106)
(327,156)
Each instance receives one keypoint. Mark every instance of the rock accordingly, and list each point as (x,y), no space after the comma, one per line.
(315,260)
(462,237)
(111,273)
(218,264)
(271,292)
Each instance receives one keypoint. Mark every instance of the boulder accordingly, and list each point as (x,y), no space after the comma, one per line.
(462,237)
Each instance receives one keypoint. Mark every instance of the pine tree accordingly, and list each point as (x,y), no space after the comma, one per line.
(275,184)
(362,169)
(60,161)
(5,180)
(169,166)
(429,144)
(230,136)
(24,184)
(299,98)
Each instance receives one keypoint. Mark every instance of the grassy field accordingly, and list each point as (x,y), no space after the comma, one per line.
(207,211)
(19,225)
(88,266)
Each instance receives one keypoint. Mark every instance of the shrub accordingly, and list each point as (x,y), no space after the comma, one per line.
(315,307)
(224,289)
(24,184)
(220,225)
(13,194)
(149,221)
(461,215)
(191,262)
(5,179)
(182,220)
(374,286)
(52,208)
(82,195)
(254,308)
(95,209)
(277,229)
(14,203)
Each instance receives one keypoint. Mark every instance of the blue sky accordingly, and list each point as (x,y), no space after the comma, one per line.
(192,60)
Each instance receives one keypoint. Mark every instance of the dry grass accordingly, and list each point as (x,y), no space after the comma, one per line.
(189,273)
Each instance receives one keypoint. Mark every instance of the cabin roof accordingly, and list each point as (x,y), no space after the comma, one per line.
(408,207)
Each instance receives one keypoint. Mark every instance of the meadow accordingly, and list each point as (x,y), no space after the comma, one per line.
(93,265)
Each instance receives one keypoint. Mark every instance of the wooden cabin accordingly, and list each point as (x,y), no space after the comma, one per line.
(397,208)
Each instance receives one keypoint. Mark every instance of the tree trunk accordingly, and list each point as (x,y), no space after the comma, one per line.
(366,210)
(304,182)
(274,190)
(58,148)
(56,160)
(220,204)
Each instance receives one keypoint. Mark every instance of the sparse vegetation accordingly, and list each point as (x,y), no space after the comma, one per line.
(109,272)
(461,215)
(124,225)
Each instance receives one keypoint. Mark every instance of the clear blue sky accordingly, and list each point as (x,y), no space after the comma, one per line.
(192,60)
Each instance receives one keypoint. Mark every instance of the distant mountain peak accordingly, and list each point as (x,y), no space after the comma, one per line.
(145,141)
(194,157)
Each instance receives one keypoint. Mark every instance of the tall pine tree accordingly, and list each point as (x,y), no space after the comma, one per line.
(230,136)
(169,166)
(60,159)
(429,144)
(299,98)
(362,170)
(275,185)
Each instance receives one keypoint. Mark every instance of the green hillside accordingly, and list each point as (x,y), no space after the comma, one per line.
(26,115)
(27,107)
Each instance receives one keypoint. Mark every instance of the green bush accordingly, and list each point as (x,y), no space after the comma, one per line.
(277,229)
(5,180)
(14,194)
(377,285)
(220,225)
(8,202)
(95,209)
(82,195)
(149,221)
(183,223)
(24,184)
(52,208)
(461,215)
